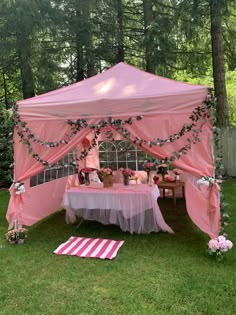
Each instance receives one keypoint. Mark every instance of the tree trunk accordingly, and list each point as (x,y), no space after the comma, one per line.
(24,54)
(79,47)
(149,43)
(218,62)
(120,33)
(79,63)
(5,90)
(89,55)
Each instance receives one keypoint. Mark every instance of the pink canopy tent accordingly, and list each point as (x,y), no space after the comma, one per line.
(120,92)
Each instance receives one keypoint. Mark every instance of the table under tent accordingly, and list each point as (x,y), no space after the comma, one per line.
(170,120)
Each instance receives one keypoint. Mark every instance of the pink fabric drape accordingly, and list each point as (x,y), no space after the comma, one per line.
(198,162)
(26,166)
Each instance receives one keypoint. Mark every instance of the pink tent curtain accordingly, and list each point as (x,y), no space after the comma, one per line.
(202,206)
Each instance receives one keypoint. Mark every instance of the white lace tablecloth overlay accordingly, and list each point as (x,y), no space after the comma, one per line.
(134,208)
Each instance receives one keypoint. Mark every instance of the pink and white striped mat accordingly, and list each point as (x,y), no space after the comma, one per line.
(89,247)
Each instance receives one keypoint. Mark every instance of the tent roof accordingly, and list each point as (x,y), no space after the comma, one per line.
(120,90)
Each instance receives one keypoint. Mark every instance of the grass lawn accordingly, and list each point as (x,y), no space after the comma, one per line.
(152,274)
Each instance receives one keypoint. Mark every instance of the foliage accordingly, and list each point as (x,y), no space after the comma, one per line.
(208,81)
(64,39)
(6,147)
(162,169)
(197,120)
(231,79)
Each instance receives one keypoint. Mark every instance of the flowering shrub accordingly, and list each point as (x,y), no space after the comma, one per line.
(127,172)
(6,145)
(16,234)
(105,172)
(218,246)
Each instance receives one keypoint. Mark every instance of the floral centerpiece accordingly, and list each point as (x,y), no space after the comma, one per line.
(148,167)
(105,172)
(163,170)
(126,172)
(218,246)
(17,235)
(106,175)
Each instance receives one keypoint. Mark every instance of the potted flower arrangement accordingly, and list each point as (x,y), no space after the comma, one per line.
(106,176)
(177,173)
(148,167)
(17,235)
(126,172)
(163,170)
(218,246)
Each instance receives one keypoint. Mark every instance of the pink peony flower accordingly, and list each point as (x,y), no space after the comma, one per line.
(229,244)
(148,165)
(219,245)
(221,238)
(213,245)
(223,246)
(127,172)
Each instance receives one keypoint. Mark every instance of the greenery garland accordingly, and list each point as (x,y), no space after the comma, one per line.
(200,112)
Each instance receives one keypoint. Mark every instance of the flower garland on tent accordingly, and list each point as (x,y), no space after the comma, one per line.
(203,112)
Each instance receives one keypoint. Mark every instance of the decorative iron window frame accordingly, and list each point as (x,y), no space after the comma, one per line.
(118,145)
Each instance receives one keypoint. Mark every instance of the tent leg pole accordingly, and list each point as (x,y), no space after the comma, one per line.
(80,222)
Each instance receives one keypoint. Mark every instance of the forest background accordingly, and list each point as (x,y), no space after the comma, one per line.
(45,45)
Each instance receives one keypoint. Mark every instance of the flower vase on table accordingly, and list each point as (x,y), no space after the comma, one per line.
(107,177)
(107,181)
(127,173)
(86,179)
(177,173)
(126,180)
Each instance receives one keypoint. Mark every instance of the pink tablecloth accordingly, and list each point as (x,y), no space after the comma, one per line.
(134,208)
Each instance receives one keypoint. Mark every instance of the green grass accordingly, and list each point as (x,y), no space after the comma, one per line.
(152,274)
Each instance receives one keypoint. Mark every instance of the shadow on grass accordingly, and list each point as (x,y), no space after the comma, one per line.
(53,231)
